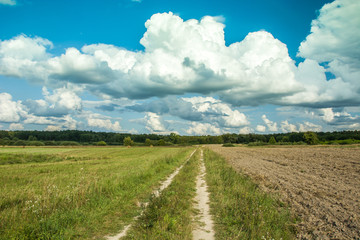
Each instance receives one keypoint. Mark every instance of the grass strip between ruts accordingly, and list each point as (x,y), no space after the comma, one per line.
(169,216)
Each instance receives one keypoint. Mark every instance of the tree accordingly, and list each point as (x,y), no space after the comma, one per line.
(128,141)
(32,138)
(285,139)
(148,142)
(20,143)
(272,140)
(174,138)
(161,142)
(101,143)
(311,138)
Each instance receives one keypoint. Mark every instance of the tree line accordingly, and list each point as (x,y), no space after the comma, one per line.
(75,137)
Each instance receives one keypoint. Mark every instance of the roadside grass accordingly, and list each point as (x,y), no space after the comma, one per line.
(169,216)
(88,193)
(6,158)
(240,209)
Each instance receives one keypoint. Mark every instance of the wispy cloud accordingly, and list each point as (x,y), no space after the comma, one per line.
(8,2)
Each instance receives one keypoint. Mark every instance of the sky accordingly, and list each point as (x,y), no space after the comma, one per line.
(201,67)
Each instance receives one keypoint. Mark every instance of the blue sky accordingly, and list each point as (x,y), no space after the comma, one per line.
(191,67)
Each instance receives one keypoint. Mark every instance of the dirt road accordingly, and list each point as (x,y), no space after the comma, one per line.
(321,184)
(156,193)
(203,228)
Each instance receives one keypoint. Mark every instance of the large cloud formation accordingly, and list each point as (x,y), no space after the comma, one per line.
(192,57)
(196,109)
(334,42)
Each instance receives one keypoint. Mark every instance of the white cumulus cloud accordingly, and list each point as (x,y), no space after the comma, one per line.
(16,126)
(154,123)
(180,57)
(272,126)
(246,130)
(216,111)
(335,33)
(60,102)
(204,109)
(105,124)
(53,128)
(191,58)
(10,111)
(338,118)
(308,126)
(335,41)
(260,128)
(288,127)
(197,128)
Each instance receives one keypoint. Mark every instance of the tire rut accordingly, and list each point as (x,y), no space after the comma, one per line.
(156,193)
(203,228)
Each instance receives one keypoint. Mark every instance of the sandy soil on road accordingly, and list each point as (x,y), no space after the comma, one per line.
(321,184)
(203,228)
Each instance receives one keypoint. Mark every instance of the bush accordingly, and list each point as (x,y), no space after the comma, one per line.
(50,143)
(344,142)
(256,144)
(311,138)
(148,142)
(161,142)
(20,143)
(272,140)
(4,142)
(128,141)
(35,143)
(101,143)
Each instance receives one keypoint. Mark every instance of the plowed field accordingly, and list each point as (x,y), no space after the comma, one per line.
(321,184)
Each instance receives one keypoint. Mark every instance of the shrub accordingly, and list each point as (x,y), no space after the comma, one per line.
(4,142)
(161,142)
(20,143)
(128,141)
(101,143)
(50,143)
(255,144)
(148,142)
(35,143)
(311,138)
(272,140)
(345,141)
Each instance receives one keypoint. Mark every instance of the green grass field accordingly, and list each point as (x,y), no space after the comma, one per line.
(82,193)
(169,216)
(240,209)
(93,192)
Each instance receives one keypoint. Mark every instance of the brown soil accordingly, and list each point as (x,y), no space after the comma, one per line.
(321,184)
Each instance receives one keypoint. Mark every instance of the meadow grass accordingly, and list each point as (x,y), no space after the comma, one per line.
(169,216)
(241,210)
(86,193)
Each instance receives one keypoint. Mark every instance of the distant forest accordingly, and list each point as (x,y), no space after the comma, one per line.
(75,137)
